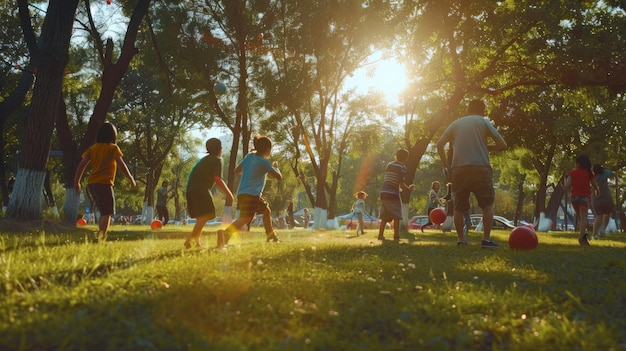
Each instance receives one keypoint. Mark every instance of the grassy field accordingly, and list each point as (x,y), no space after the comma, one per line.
(313,291)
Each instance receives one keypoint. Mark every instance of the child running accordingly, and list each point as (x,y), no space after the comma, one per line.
(253,168)
(105,156)
(433,201)
(391,204)
(603,201)
(206,172)
(579,180)
(359,209)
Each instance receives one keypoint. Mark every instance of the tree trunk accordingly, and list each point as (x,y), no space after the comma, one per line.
(54,49)
(439,120)
(555,200)
(16,98)
(520,199)
(321,205)
(29,185)
(111,77)
(543,166)
(70,206)
(332,203)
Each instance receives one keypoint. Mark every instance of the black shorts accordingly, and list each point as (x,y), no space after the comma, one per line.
(200,204)
(603,208)
(104,197)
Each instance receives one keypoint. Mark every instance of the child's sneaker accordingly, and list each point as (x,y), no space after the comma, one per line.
(188,244)
(583,240)
(272,238)
(488,244)
(461,243)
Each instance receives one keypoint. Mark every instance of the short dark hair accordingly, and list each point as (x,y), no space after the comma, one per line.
(597,169)
(476,107)
(402,155)
(213,146)
(262,144)
(584,161)
(107,133)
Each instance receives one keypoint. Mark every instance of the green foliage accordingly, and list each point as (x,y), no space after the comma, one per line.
(312,291)
(552,72)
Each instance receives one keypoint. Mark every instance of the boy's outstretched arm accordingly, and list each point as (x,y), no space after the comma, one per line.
(224,188)
(275,172)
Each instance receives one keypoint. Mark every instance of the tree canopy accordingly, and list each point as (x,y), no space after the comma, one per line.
(552,73)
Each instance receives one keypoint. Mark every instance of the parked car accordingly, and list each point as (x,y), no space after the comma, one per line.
(211,222)
(258,221)
(351,221)
(417,222)
(499,222)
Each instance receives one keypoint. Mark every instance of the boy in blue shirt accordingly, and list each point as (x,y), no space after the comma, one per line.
(253,168)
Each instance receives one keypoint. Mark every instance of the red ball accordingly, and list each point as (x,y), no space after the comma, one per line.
(156,224)
(523,238)
(81,222)
(437,215)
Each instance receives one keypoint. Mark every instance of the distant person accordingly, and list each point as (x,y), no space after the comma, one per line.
(359,210)
(448,201)
(391,204)
(105,156)
(307,217)
(580,179)
(433,201)
(161,205)
(204,174)
(254,169)
(602,202)
(469,168)
(291,223)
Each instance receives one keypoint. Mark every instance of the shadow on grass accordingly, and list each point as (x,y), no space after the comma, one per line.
(384,294)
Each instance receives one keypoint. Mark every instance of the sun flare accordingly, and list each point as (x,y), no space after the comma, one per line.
(386,76)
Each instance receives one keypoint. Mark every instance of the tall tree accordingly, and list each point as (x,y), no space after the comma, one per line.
(155,120)
(488,50)
(240,26)
(316,46)
(18,54)
(53,51)
(112,72)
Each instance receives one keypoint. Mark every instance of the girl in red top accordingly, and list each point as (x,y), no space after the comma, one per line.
(579,179)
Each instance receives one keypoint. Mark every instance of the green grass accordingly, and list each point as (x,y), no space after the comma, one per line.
(313,291)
